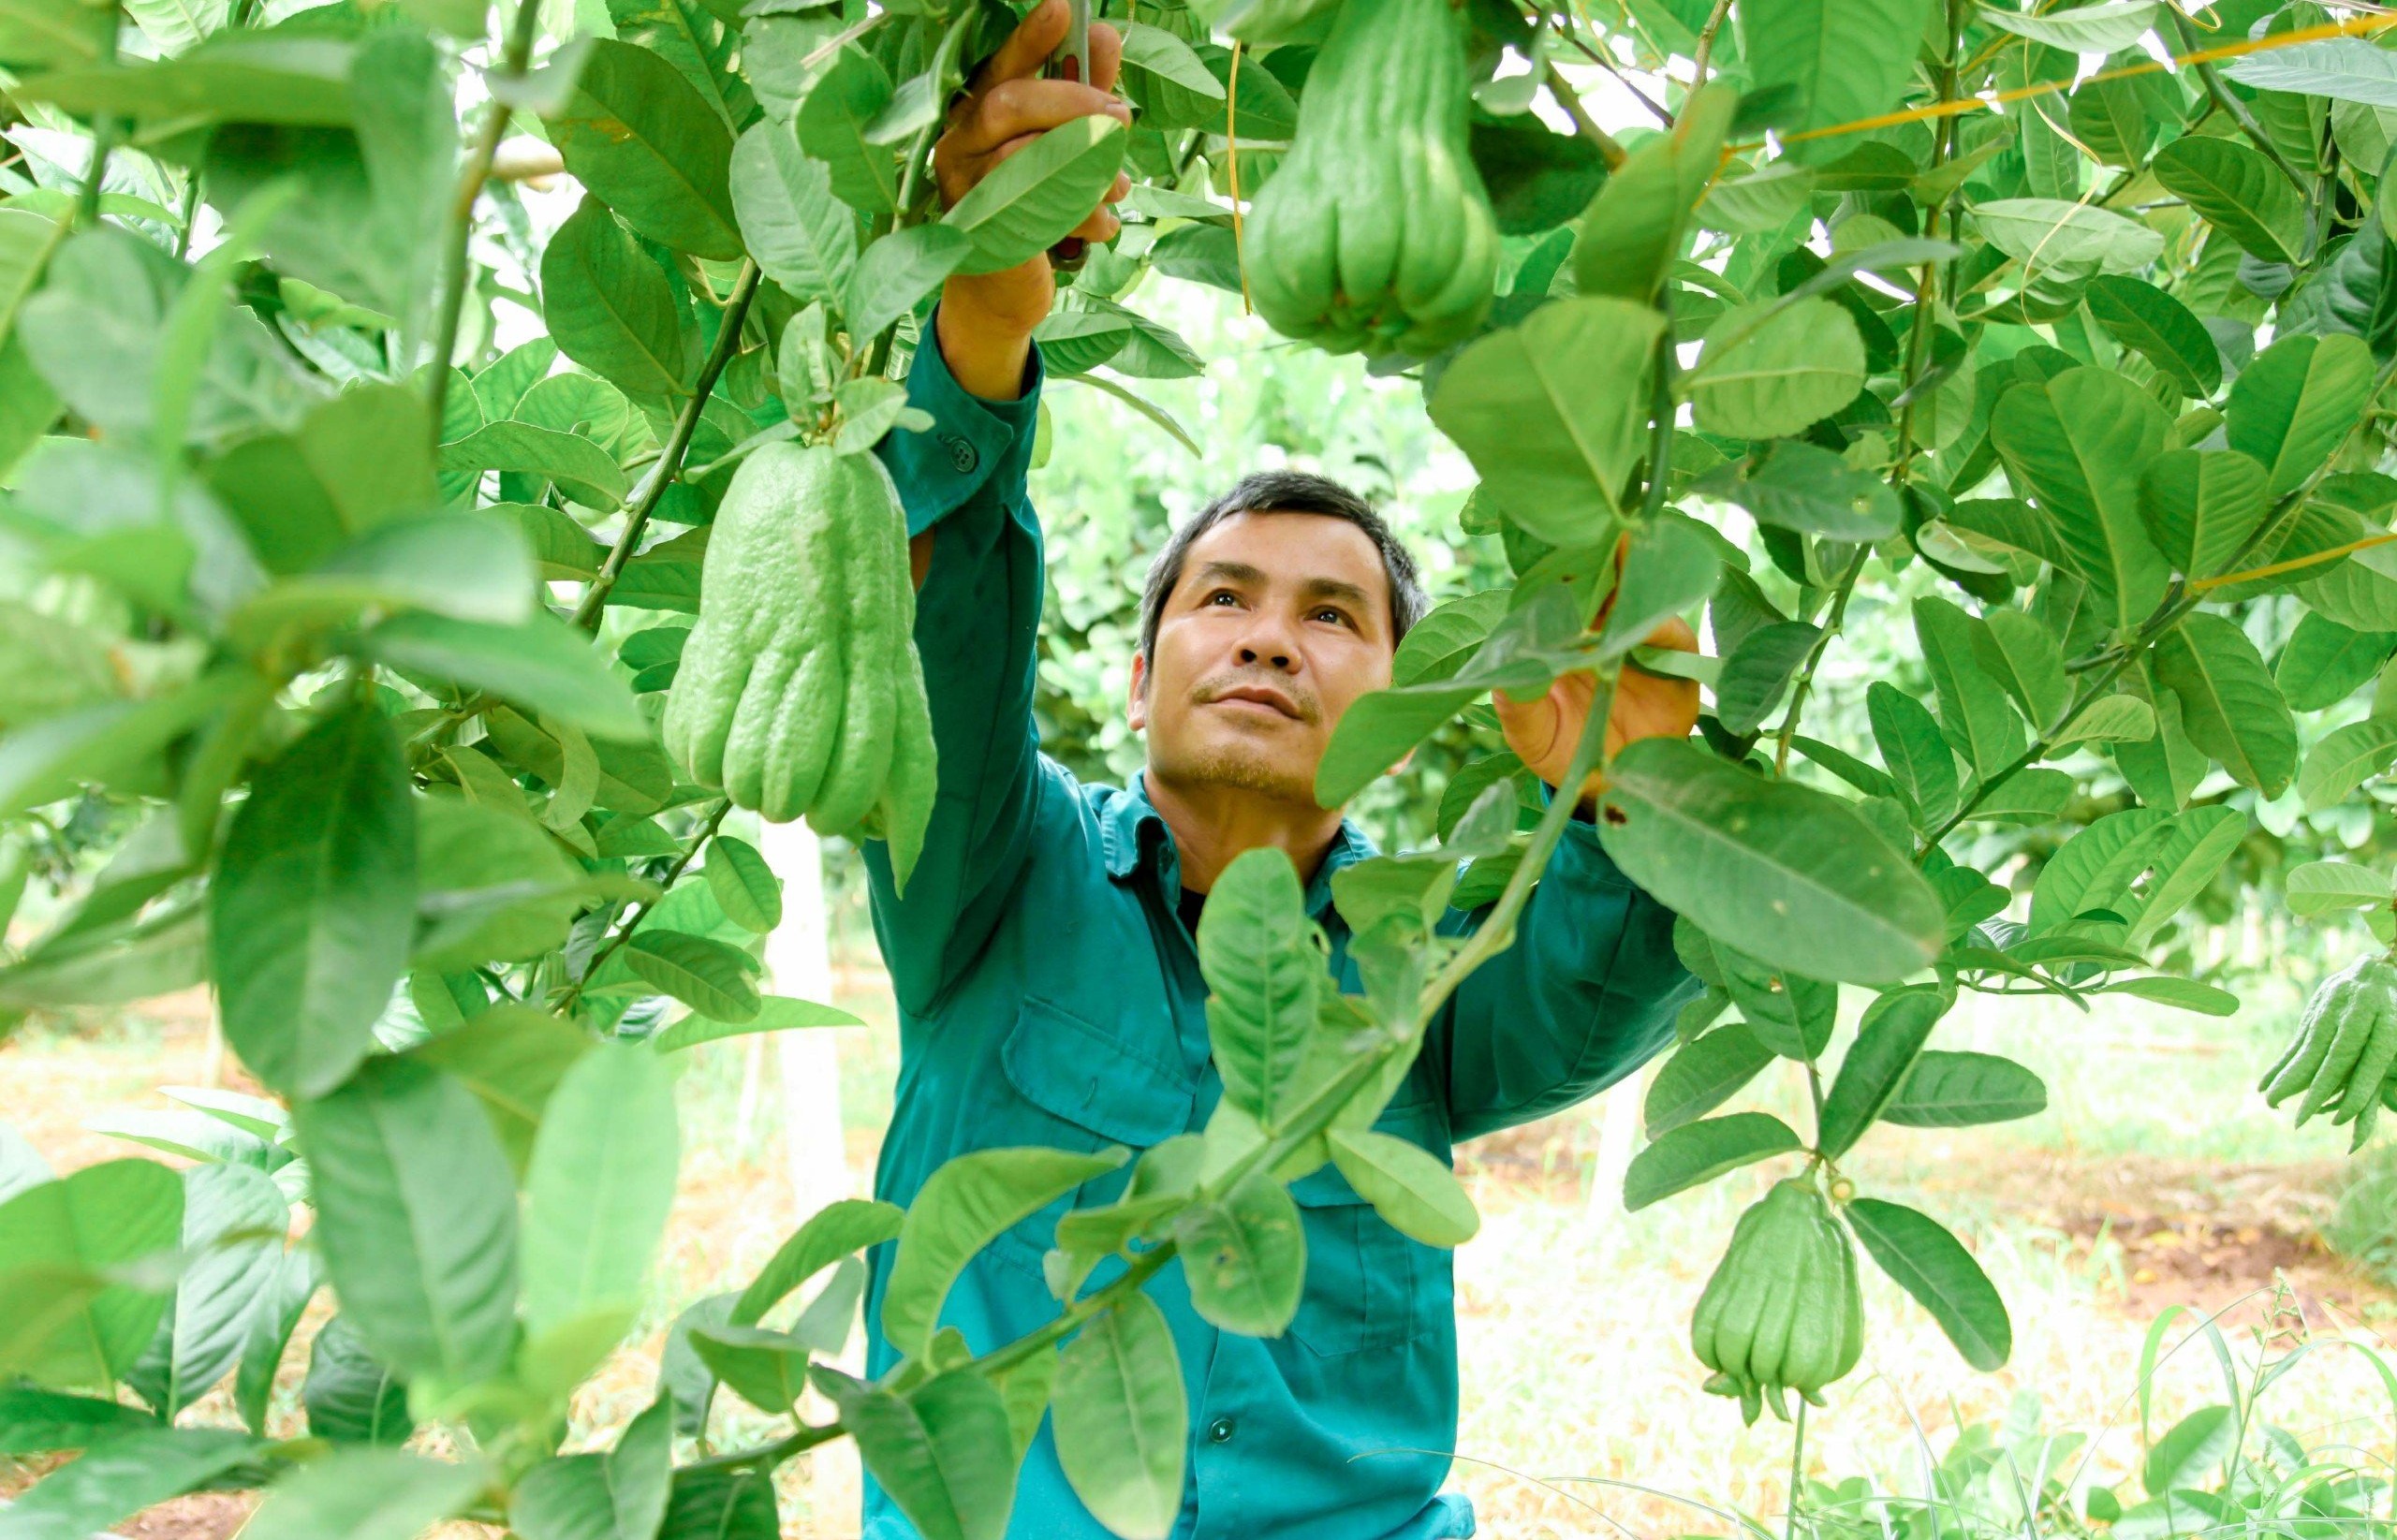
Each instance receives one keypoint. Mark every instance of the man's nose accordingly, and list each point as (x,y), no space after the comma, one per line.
(1268,645)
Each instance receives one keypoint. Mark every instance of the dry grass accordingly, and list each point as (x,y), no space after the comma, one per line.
(2157,1179)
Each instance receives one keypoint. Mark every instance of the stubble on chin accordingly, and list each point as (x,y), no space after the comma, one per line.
(1238,767)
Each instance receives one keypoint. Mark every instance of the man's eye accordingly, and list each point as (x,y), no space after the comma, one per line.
(1225,594)
(1332,615)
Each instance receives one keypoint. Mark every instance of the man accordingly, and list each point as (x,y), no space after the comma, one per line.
(1048,986)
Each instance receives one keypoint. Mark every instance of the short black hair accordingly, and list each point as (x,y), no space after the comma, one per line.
(1285,492)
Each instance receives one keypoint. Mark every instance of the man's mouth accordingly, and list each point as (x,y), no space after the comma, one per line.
(1257,695)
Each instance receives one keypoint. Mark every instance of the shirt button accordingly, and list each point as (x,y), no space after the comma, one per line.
(1220,1431)
(961,454)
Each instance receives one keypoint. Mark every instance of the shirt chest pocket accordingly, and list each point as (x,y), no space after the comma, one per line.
(1367,1286)
(1072,1084)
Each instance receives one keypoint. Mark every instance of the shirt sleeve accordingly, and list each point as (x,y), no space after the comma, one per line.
(1585,995)
(977,620)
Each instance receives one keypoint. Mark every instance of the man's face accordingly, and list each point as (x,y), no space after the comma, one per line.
(1278,622)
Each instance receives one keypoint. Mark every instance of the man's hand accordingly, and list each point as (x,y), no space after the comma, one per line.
(986,321)
(1543,731)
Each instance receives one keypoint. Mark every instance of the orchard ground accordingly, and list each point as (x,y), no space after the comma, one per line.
(2157,1178)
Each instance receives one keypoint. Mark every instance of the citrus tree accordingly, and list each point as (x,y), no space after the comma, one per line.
(338,643)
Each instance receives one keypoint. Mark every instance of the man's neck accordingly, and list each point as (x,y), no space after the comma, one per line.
(1212,826)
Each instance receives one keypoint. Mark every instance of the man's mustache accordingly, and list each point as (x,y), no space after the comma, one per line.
(1298,703)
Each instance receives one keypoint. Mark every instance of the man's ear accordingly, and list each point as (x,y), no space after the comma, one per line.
(1136,708)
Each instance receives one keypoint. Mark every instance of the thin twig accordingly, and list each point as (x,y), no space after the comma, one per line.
(1706,41)
(1611,153)
(669,460)
(573,995)
(452,299)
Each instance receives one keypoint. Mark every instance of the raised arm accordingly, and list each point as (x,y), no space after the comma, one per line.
(973,536)
(1590,987)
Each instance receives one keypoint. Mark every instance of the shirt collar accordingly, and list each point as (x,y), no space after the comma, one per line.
(1125,837)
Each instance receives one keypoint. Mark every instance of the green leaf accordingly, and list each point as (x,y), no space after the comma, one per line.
(775,1013)
(1841,60)
(1767,370)
(2159,328)
(708,975)
(643,141)
(1973,711)
(40,1422)
(2200,841)
(256,77)
(2054,236)
(35,32)
(832,1232)
(899,269)
(2344,760)
(582,469)
(620,1495)
(1960,1089)
(1245,1257)
(2229,706)
(1416,1191)
(1758,673)
(945,1454)
(2023,656)
(415,1218)
(2100,28)
(2201,505)
(1920,759)
(1669,566)
(805,238)
(2323,888)
(1702,1075)
(1551,413)
(365,1494)
(766,1369)
(2096,867)
(2180,994)
(314,903)
(1698,1152)
(1263,976)
(2341,68)
(65,1324)
(1894,1029)
(1807,487)
(2325,662)
(234,1219)
(743,884)
(1524,652)
(2077,445)
(599,1186)
(611,309)
(1035,197)
(1783,872)
(706,1505)
(1927,1262)
(2235,189)
(350,1396)
(961,1208)
(547,665)
(119,1478)
(2296,404)
(1637,220)
(832,121)
(46,761)
(1121,1418)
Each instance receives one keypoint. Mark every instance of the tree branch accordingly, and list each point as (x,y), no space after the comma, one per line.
(453,298)
(669,459)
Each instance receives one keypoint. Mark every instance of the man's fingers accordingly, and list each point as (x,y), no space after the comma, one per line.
(1014,109)
(1106,55)
(1027,49)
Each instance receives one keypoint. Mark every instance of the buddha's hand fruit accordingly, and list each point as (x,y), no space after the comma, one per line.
(2346,1044)
(800,691)
(1375,233)
(1783,1311)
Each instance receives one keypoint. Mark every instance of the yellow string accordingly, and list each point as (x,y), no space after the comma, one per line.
(1231,155)
(2353,26)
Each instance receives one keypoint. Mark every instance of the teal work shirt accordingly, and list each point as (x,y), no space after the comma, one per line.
(1049,994)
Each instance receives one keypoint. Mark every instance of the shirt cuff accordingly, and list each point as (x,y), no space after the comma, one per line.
(971,440)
